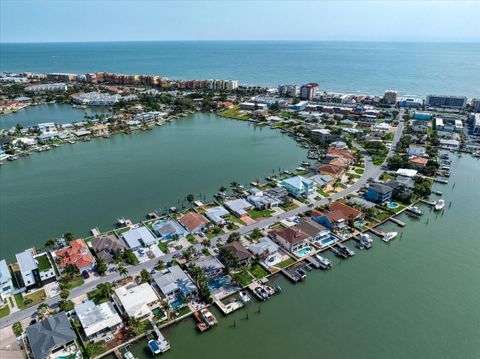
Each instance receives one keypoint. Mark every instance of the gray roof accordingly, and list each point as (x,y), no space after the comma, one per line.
(139,236)
(380,188)
(5,275)
(166,228)
(265,244)
(26,262)
(361,202)
(173,279)
(50,333)
(209,263)
(216,214)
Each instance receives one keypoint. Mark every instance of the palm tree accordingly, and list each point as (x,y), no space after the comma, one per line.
(122,270)
(160,265)
(222,189)
(166,308)
(234,184)
(190,198)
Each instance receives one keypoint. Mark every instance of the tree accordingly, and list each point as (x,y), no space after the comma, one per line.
(222,189)
(70,271)
(50,243)
(101,266)
(230,260)
(145,276)
(135,325)
(122,271)
(206,243)
(65,305)
(160,265)
(234,185)
(64,294)
(190,198)
(68,236)
(256,233)
(17,329)
(233,237)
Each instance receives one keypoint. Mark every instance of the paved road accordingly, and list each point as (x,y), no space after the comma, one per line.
(371,171)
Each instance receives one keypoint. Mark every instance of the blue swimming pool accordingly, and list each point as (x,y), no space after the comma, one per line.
(304,251)
(217,283)
(177,303)
(326,241)
(359,224)
(393,205)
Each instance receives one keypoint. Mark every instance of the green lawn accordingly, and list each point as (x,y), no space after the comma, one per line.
(43,263)
(234,112)
(163,246)
(289,207)
(97,296)
(257,271)
(256,213)
(243,278)
(36,297)
(4,311)
(323,193)
(211,235)
(76,282)
(285,263)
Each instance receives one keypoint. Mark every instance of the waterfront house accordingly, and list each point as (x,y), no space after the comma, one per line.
(314,229)
(211,265)
(406,172)
(136,301)
(239,206)
(217,214)
(6,285)
(418,162)
(292,239)
(194,222)
(379,193)
(98,321)
(173,283)
(99,130)
(261,201)
(265,248)
(278,193)
(107,247)
(51,338)
(336,215)
(299,186)
(322,180)
(342,153)
(138,237)
(77,254)
(167,230)
(35,271)
(417,151)
(240,252)
(331,170)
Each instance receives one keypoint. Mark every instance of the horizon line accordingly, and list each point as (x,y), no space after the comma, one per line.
(245,40)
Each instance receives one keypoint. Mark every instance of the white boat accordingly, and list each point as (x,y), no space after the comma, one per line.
(324,262)
(154,347)
(387,237)
(439,205)
(128,355)
(244,297)
(269,290)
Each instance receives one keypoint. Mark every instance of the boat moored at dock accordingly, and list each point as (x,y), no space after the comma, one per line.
(244,297)
(439,205)
(415,210)
(387,237)
(324,262)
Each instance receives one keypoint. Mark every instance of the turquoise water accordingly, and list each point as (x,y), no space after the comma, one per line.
(367,67)
(393,205)
(304,251)
(217,283)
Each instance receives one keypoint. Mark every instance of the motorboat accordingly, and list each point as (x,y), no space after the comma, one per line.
(338,253)
(346,250)
(208,317)
(387,237)
(270,291)
(262,294)
(324,262)
(154,347)
(301,273)
(278,289)
(439,205)
(415,210)
(244,297)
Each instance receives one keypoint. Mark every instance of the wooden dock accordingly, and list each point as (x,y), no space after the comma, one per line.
(397,221)
(430,203)
(117,353)
(290,276)
(377,233)
(310,260)
(95,232)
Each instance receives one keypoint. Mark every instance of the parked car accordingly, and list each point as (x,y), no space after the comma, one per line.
(85,274)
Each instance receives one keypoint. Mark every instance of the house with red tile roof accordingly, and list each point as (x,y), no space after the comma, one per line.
(340,152)
(194,222)
(336,215)
(292,238)
(76,254)
(418,162)
(331,170)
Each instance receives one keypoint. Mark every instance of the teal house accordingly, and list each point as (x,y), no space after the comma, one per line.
(299,186)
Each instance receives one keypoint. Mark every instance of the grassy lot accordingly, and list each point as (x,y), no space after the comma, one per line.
(183,310)
(122,230)
(97,296)
(289,207)
(378,160)
(76,282)
(256,213)
(285,263)
(232,218)
(35,297)
(323,193)
(243,278)
(211,235)
(4,311)
(257,271)
(234,112)
(43,263)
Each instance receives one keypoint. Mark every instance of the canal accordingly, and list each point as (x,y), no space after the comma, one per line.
(58,113)
(89,184)
(416,297)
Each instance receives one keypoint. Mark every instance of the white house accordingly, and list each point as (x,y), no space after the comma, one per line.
(98,320)
(136,301)
(6,285)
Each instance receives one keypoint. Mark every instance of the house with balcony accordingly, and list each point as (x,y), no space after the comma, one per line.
(98,321)
(76,254)
(299,186)
(136,301)
(379,193)
(291,239)
(173,283)
(34,270)
(336,216)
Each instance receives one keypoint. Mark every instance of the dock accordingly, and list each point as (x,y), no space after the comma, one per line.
(290,276)
(313,262)
(440,180)
(117,353)
(430,203)
(95,232)
(397,221)
(230,307)
(161,341)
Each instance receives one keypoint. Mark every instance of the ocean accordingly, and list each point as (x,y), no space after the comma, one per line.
(415,69)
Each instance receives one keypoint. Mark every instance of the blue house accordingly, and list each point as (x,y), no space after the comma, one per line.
(379,193)
(168,230)
(423,116)
(299,186)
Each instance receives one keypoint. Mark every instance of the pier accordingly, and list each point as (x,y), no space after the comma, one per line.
(397,221)
(430,203)
(290,276)
(313,262)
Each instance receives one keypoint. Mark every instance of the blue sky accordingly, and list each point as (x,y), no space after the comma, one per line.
(377,20)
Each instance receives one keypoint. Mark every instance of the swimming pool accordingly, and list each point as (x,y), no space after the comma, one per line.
(359,224)
(326,241)
(304,251)
(177,303)
(393,205)
(218,283)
